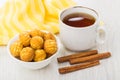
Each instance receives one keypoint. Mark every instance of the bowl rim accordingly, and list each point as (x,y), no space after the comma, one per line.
(47,59)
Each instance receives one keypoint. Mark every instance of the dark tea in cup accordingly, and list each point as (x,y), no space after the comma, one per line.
(79,28)
(79,20)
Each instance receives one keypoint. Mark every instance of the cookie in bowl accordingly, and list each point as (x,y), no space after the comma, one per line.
(33,49)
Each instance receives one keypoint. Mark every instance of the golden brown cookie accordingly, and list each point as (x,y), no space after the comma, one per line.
(40,55)
(36,42)
(25,38)
(27,54)
(41,33)
(16,48)
(50,46)
(49,35)
(36,32)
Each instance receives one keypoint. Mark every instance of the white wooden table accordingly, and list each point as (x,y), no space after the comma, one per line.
(109,69)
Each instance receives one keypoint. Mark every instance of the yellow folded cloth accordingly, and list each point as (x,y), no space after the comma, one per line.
(20,15)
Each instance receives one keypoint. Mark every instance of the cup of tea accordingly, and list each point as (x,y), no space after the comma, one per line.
(80,29)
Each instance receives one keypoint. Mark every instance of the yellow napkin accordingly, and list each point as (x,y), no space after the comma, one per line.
(20,15)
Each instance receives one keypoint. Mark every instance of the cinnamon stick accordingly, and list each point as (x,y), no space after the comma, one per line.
(78,67)
(90,58)
(76,55)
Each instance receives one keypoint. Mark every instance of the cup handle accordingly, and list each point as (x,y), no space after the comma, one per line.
(101,34)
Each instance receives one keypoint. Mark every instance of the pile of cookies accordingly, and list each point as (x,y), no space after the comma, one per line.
(34,45)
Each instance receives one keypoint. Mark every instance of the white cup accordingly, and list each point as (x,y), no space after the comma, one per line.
(80,38)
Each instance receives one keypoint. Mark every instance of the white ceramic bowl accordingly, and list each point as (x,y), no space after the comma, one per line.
(32,65)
